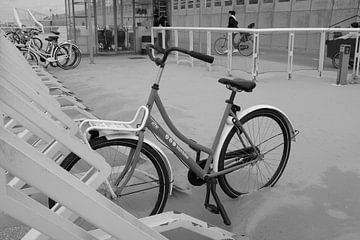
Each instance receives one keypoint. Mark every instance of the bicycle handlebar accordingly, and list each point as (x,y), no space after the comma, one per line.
(161,61)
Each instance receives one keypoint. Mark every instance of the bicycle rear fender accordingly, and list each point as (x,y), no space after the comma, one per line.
(155,147)
(228,126)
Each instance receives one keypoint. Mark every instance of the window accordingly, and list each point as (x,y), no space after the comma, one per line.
(253,1)
(207,3)
(228,2)
(217,3)
(182,4)
(268,1)
(284,0)
(239,2)
(176,4)
(197,3)
(190,4)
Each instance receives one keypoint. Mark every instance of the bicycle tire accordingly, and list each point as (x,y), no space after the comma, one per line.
(264,172)
(30,57)
(245,47)
(336,60)
(221,46)
(13,37)
(61,57)
(37,42)
(74,54)
(151,168)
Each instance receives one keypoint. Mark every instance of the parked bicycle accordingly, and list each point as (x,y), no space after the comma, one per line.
(243,42)
(66,55)
(249,152)
(19,36)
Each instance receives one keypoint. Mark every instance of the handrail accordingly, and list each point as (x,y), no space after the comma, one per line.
(344,20)
(256,36)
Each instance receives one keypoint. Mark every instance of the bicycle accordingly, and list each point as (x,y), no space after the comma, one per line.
(141,177)
(18,36)
(243,42)
(74,53)
(65,55)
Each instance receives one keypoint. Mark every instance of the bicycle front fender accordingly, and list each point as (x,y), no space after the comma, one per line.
(228,126)
(154,146)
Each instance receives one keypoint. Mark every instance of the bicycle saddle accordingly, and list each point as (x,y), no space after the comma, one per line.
(52,38)
(239,84)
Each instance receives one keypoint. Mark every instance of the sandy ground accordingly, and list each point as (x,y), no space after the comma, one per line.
(318,196)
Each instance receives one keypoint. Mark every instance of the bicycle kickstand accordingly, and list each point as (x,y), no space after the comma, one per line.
(218,208)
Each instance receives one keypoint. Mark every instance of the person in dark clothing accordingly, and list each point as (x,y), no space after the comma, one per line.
(232,23)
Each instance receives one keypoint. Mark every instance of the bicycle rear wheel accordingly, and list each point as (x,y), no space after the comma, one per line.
(147,190)
(270,134)
(221,45)
(245,47)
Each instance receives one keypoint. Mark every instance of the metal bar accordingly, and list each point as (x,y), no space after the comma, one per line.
(191,46)
(91,34)
(290,54)
(208,47)
(355,74)
(229,53)
(176,36)
(255,57)
(321,53)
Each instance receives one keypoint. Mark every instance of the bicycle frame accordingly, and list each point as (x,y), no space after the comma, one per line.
(183,156)
(48,56)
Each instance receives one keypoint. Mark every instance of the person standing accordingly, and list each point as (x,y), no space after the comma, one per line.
(232,23)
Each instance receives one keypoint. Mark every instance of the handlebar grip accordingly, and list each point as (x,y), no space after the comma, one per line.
(201,56)
(149,49)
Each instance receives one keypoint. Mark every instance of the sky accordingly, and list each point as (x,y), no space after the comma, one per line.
(42,6)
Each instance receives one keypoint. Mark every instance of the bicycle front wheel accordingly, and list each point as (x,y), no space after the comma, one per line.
(37,43)
(270,134)
(61,57)
(148,188)
(245,47)
(74,56)
(30,57)
(336,60)
(221,45)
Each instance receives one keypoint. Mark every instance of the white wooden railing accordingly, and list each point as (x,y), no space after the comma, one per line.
(256,37)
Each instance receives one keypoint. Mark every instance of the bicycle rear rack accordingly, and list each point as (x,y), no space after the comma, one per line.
(133,126)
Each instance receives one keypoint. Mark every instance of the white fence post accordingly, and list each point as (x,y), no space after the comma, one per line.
(355,74)
(229,53)
(290,54)
(176,36)
(255,57)
(163,38)
(321,53)
(191,47)
(208,47)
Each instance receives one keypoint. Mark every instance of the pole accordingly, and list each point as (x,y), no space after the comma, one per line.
(90,33)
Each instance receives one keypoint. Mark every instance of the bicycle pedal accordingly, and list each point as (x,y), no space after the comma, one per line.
(212,208)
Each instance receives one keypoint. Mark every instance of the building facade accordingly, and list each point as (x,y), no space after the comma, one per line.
(269,14)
